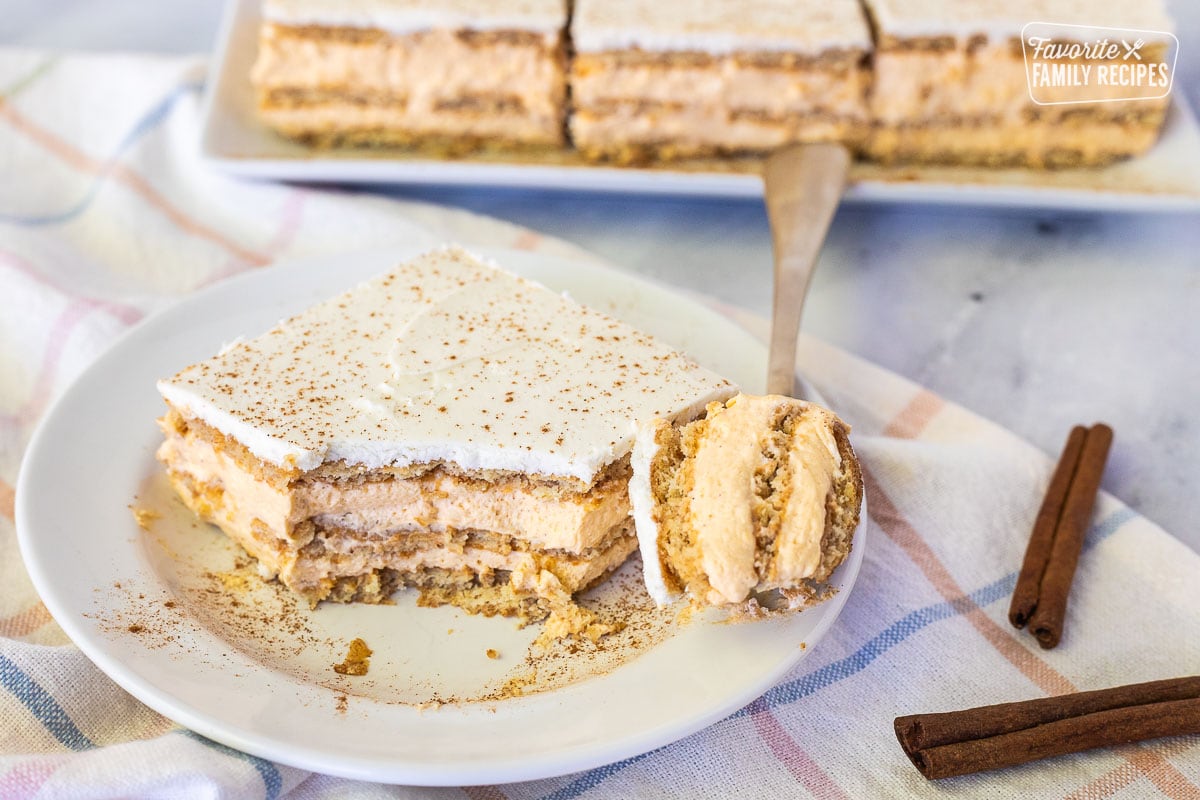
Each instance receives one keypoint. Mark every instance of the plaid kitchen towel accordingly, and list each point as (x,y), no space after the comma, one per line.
(106,215)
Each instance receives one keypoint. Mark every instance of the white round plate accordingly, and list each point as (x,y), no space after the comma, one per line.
(247,670)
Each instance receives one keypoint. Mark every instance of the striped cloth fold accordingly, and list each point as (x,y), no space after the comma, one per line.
(106,215)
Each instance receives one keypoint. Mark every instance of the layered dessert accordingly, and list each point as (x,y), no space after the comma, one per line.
(458,73)
(446,425)
(951,85)
(651,82)
(659,81)
(753,506)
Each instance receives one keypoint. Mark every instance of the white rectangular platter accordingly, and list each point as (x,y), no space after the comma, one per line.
(233,140)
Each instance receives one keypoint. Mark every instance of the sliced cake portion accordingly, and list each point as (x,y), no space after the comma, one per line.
(447,425)
(654,81)
(760,496)
(951,85)
(459,73)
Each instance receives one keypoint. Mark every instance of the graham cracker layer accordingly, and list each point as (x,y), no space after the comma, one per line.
(885,42)
(690,134)
(175,423)
(344,123)
(375,36)
(431,146)
(480,560)
(831,60)
(300,98)
(1062,144)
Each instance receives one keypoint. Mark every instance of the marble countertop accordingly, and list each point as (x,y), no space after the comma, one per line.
(1037,320)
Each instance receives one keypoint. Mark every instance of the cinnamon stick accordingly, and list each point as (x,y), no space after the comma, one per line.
(1046,622)
(1037,552)
(1044,582)
(1007,734)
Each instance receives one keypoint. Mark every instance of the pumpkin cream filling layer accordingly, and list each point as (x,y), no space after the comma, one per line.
(311,533)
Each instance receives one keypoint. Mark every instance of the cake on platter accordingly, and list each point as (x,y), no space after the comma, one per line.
(462,73)
(951,84)
(654,81)
(714,83)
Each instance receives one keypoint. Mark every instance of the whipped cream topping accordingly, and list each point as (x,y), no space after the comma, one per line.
(445,358)
(1005,18)
(408,16)
(641,499)
(809,27)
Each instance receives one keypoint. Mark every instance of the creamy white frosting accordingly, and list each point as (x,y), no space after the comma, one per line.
(719,26)
(407,16)
(641,498)
(1005,18)
(444,359)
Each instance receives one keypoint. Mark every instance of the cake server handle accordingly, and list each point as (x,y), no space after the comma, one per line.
(802,186)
